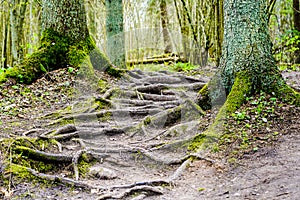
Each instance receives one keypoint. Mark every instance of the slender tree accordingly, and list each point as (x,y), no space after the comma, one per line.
(296,7)
(17,15)
(165,23)
(115,32)
(65,42)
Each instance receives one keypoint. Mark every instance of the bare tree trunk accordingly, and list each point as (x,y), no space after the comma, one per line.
(5,38)
(14,32)
(17,15)
(115,32)
(296,6)
(165,23)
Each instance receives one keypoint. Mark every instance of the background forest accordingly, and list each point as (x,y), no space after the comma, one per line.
(190,29)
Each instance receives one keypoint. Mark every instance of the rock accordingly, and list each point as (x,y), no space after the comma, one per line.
(102,173)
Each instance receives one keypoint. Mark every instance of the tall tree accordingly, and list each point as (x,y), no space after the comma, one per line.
(65,42)
(296,7)
(247,65)
(17,15)
(164,24)
(115,32)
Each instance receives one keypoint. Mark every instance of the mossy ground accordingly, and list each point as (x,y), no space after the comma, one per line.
(241,90)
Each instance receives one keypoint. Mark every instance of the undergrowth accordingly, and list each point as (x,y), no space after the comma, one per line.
(256,124)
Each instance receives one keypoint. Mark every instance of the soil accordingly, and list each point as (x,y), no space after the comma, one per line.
(261,162)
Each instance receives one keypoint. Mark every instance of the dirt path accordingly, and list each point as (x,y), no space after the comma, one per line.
(272,173)
(137,130)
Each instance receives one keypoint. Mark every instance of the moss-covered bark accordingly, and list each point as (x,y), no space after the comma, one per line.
(246,67)
(241,89)
(65,42)
(247,47)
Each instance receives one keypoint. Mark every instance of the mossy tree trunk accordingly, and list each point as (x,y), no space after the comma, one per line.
(115,32)
(247,47)
(65,42)
(247,65)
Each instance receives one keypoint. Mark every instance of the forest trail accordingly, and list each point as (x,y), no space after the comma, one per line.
(137,131)
(144,132)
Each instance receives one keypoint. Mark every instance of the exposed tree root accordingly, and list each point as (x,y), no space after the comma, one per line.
(179,170)
(64,133)
(154,89)
(32,131)
(65,129)
(162,79)
(116,191)
(157,105)
(146,190)
(75,163)
(43,156)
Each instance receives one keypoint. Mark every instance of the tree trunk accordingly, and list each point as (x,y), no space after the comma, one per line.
(65,17)
(164,24)
(296,6)
(246,67)
(17,13)
(247,45)
(115,32)
(65,42)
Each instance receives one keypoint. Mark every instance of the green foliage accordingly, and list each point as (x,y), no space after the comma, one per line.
(185,67)
(285,48)
(70,69)
(239,116)
(245,130)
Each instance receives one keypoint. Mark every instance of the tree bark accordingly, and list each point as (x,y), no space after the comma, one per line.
(115,32)
(65,42)
(17,13)
(247,45)
(164,24)
(246,67)
(65,17)
(296,7)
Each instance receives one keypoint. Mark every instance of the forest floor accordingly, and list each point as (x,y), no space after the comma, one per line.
(137,129)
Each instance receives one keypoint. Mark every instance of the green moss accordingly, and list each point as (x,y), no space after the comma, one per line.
(102,86)
(107,116)
(241,88)
(86,70)
(102,104)
(57,51)
(84,164)
(288,94)
(203,98)
(147,120)
(201,141)
(20,171)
